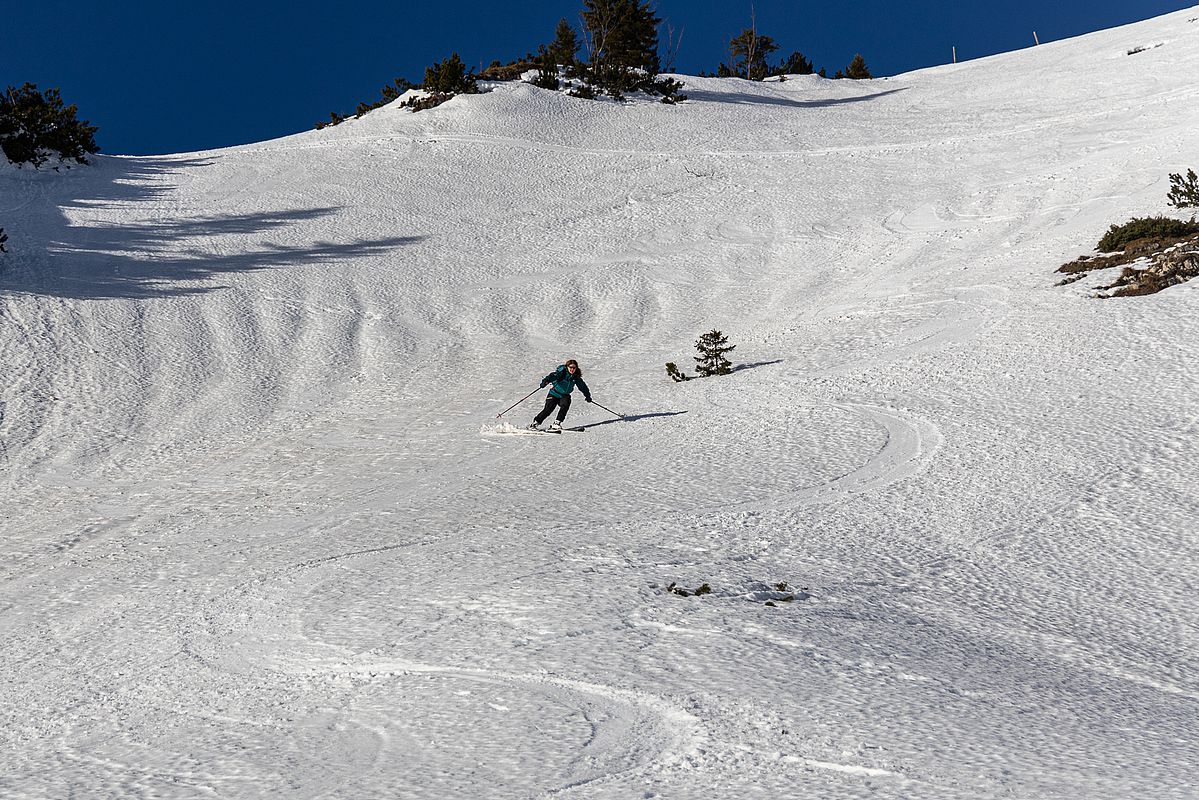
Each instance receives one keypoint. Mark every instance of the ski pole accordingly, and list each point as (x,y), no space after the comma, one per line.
(518,402)
(610,411)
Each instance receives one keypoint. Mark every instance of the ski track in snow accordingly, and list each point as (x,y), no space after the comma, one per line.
(910,443)
(256,545)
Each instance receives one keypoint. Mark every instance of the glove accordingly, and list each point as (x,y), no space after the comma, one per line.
(543,385)
(587,399)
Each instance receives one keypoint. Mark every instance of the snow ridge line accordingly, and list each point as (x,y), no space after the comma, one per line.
(551,147)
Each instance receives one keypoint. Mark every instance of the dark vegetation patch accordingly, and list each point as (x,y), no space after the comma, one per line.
(1169,247)
(37,126)
(1119,237)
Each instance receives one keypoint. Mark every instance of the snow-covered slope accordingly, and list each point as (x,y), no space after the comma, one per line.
(258,541)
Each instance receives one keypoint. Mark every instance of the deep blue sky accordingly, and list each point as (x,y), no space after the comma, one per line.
(160,77)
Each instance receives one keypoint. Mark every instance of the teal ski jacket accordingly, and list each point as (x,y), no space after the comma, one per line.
(564,383)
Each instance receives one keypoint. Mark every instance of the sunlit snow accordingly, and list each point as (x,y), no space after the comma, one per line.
(264,536)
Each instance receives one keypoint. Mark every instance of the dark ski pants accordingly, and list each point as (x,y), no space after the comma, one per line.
(563,404)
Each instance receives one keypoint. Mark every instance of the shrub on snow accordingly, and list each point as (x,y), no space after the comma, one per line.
(443,80)
(1118,236)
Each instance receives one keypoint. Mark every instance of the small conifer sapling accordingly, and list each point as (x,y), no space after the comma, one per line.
(712,347)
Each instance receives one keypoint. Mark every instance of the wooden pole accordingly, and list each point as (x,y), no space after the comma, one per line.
(955,54)
(1034,37)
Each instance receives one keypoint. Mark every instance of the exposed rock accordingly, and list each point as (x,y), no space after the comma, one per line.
(1176,265)
(1170,261)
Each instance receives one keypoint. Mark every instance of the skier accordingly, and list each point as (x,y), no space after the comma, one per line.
(564,380)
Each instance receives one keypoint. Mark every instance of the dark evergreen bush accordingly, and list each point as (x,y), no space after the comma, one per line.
(547,71)
(546,79)
(796,64)
(857,70)
(450,77)
(443,80)
(1184,193)
(670,89)
(432,100)
(1118,236)
(675,373)
(36,126)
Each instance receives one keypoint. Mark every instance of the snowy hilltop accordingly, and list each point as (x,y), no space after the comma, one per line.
(933,536)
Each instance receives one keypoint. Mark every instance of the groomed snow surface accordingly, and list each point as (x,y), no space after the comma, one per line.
(260,540)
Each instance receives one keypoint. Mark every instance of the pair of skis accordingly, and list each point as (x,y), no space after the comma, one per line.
(578,429)
(507,429)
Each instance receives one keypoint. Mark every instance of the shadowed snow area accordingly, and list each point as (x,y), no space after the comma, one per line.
(264,537)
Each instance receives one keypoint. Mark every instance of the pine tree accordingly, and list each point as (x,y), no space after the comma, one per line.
(622,37)
(750,51)
(35,125)
(711,360)
(3,239)
(564,50)
(857,70)
(1184,193)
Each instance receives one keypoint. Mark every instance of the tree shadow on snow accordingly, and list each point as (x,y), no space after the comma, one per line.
(755,365)
(142,258)
(738,98)
(633,418)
